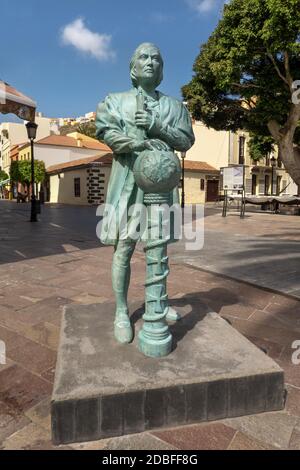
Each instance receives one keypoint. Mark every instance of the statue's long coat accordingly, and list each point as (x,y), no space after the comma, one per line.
(115,123)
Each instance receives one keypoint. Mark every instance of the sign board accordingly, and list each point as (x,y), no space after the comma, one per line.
(233,177)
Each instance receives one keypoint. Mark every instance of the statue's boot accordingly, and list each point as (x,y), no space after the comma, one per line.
(122,326)
(172,315)
(120,280)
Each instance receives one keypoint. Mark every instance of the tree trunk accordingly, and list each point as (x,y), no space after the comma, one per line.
(290,156)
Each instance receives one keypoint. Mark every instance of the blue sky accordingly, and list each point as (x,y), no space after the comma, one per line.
(69,54)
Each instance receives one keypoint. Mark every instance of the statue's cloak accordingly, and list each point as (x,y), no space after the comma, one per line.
(115,123)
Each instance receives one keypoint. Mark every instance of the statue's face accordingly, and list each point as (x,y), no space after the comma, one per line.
(148,65)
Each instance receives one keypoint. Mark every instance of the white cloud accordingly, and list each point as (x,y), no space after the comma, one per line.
(78,35)
(205,6)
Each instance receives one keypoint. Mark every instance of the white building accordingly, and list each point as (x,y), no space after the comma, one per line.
(56,149)
(13,133)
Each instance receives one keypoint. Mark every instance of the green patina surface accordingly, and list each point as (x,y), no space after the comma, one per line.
(143,127)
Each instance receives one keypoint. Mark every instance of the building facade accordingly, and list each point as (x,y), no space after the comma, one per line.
(12,134)
(56,150)
(265,177)
(224,148)
(82,182)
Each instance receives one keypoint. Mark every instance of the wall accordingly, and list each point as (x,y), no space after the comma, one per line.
(44,127)
(17,134)
(97,182)
(93,185)
(25,153)
(192,191)
(293,188)
(210,146)
(62,187)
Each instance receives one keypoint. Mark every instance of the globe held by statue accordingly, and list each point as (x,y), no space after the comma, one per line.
(157,171)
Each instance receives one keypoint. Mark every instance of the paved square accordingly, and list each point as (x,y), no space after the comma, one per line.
(59,260)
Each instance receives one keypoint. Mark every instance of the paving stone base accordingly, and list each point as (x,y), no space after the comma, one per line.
(103,389)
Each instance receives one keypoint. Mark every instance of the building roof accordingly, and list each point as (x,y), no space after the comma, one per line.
(105,160)
(65,141)
(16,148)
(190,165)
(24,145)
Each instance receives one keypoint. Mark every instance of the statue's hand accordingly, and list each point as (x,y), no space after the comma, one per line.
(143,119)
(158,144)
(140,145)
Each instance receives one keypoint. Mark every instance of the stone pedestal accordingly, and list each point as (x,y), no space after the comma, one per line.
(104,389)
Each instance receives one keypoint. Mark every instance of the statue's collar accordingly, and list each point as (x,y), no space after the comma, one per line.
(149,99)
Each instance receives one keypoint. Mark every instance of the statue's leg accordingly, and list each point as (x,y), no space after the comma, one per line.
(120,281)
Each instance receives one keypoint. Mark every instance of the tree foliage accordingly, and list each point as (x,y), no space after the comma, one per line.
(244,75)
(260,146)
(20,171)
(3,176)
(88,128)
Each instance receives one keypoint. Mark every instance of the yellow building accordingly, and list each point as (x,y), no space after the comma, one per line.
(210,146)
(82,181)
(224,148)
(201,182)
(25,152)
(261,178)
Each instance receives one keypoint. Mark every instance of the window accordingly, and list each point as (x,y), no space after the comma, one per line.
(77,187)
(202,184)
(254,185)
(242,140)
(267,185)
(268,160)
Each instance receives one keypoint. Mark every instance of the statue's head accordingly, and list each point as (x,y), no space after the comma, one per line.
(146,65)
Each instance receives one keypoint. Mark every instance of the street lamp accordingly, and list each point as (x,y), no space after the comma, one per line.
(31,132)
(273,163)
(183,155)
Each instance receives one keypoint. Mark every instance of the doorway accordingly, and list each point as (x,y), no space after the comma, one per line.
(278,185)
(212,191)
(254,185)
(267,185)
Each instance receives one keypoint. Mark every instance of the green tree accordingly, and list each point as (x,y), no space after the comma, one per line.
(247,73)
(20,172)
(260,146)
(3,176)
(86,128)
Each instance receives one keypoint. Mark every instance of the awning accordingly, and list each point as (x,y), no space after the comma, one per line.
(286,200)
(13,101)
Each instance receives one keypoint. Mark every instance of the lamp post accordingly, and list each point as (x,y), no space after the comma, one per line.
(31,132)
(273,163)
(183,155)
